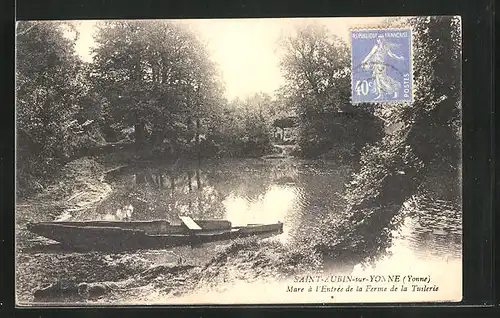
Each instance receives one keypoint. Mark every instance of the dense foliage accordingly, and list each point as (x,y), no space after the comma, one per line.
(151,82)
(246,126)
(151,86)
(316,66)
(156,75)
(420,139)
(48,91)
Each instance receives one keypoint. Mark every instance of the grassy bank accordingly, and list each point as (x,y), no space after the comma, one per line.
(79,188)
(389,176)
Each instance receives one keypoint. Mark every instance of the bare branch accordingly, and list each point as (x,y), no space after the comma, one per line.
(27,30)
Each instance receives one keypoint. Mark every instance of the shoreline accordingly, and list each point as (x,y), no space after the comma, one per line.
(115,276)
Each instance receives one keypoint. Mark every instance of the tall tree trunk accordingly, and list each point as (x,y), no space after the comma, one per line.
(160,179)
(172,185)
(190,185)
(199,197)
(198,180)
(140,135)
(197,138)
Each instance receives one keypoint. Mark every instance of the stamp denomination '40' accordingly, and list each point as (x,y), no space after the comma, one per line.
(381,65)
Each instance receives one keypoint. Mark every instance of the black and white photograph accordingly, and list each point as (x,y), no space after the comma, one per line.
(238,161)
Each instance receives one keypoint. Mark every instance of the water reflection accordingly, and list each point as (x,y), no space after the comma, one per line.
(275,204)
(299,193)
(430,227)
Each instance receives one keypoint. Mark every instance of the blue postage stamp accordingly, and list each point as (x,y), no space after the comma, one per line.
(381,65)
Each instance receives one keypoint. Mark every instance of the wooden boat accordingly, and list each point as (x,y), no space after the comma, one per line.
(125,235)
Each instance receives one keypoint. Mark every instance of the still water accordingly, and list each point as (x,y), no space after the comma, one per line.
(296,192)
(299,193)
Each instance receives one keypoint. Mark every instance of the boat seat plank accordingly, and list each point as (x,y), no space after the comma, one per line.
(190,224)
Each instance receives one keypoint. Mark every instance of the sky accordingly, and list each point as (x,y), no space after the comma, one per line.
(244,49)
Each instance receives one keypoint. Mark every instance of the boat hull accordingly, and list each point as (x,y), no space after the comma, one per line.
(89,236)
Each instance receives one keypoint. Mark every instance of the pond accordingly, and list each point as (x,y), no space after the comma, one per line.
(295,192)
(300,193)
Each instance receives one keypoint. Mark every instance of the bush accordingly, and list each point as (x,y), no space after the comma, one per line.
(339,135)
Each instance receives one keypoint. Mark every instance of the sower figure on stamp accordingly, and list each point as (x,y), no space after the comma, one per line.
(376,61)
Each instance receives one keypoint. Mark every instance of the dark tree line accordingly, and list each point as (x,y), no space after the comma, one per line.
(48,96)
(153,83)
(151,78)
(422,141)
(316,65)
(156,75)
(161,92)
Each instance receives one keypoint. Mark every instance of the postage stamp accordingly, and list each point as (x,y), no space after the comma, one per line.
(381,65)
(227,166)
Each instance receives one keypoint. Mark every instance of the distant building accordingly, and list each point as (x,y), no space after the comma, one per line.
(285,129)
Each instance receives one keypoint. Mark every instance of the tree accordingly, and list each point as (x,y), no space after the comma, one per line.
(47,98)
(436,133)
(421,140)
(154,73)
(316,67)
(245,126)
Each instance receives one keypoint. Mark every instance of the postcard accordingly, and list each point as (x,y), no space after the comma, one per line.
(238,161)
